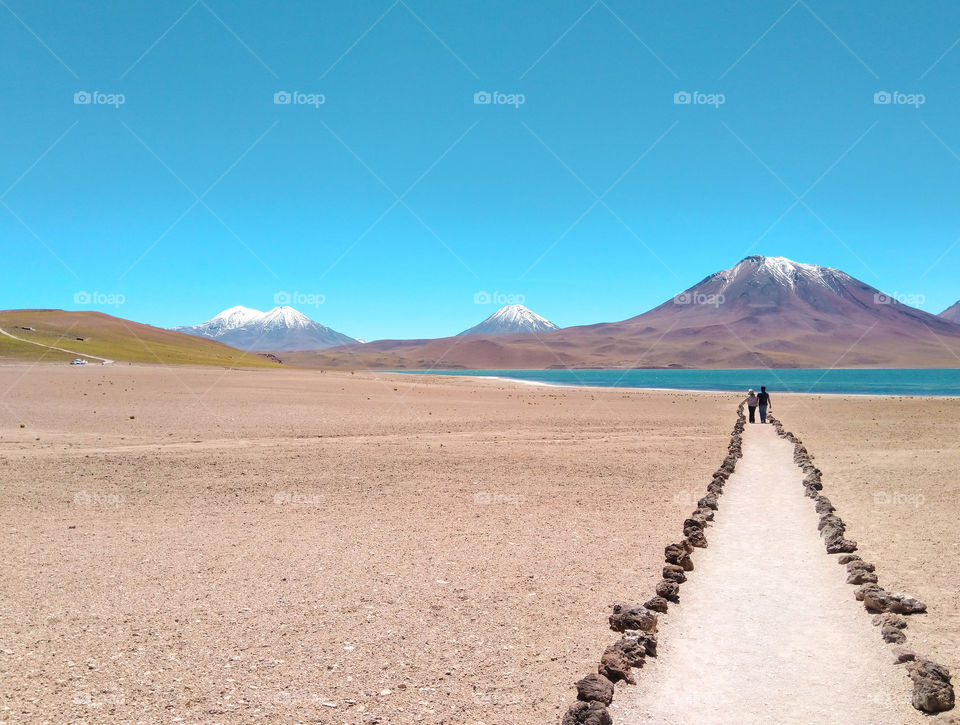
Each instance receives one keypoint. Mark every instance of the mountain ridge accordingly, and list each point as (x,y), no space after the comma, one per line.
(281,329)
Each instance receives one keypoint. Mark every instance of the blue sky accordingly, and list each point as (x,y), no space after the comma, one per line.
(385,209)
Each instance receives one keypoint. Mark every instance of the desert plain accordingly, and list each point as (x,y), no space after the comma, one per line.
(216,546)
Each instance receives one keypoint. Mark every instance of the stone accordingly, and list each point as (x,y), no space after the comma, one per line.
(674,572)
(709,501)
(892,635)
(624,618)
(674,552)
(860,593)
(823,505)
(878,599)
(859,563)
(932,691)
(657,604)
(587,713)
(840,545)
(668,590)
(618,659)
(902,654)
(707,513)
(847,558)
(861,576)
(696,537)
(595,688)
(889,618)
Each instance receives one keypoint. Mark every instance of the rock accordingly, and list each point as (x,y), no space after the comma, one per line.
(831,521)
(587,713)
(695,536)
(656,604)
(892,635)
(618,659)
(715,488)
(706,513)
(624,618)
(709,501)
(841,545)
(880,600)
(861,593)
(668,590)
(932,691)
(595,688)
(674,572)
(902,654)
(889,619)
(861,576)
(905,604)
(679,554)
(645,639)
(859,563)
(847,558)
(823,505)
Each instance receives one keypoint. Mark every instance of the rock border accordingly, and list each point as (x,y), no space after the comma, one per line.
(932,690)
(638,624)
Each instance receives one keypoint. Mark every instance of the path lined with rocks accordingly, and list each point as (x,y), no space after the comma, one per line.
(768,630)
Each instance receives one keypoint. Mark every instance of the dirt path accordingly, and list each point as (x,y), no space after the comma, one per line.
(105,361)
(767,630)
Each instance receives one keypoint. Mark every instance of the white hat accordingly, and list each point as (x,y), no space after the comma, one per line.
(751,390)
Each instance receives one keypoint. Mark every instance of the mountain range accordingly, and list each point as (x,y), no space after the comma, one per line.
(281,329)
(762,312)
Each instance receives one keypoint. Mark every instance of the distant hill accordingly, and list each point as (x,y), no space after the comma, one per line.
(94,335)
(952,313)
(280,329)
(762,312)
(512,319)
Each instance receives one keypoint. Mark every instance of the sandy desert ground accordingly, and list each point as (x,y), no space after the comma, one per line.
(226,546)
(292,546)
(891,466)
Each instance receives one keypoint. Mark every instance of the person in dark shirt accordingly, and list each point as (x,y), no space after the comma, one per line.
(763,403)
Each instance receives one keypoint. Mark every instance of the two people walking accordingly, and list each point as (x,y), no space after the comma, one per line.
(755,401)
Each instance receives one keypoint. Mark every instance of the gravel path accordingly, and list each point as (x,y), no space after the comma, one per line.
(767,630)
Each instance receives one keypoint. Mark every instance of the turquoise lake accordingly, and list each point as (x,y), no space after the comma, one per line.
(850,382)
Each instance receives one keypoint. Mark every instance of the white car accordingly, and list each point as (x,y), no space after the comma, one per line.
(78,361)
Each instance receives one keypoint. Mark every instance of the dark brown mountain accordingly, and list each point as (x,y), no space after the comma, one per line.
(763,312)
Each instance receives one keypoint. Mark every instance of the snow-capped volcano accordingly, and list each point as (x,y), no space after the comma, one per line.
(512,319)
(281,329)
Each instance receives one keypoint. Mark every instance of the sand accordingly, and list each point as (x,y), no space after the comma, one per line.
(766,631)
(891,466)
(441,551)
(292,546)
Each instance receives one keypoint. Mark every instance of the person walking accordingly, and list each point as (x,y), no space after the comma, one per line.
(763,403)
(751,402)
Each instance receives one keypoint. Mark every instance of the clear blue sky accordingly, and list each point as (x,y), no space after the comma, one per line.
(493,197)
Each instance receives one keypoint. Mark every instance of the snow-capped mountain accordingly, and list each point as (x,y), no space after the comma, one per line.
(511,319)
(281,329)
(952,313)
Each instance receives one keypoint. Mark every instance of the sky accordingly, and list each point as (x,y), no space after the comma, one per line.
(400,168)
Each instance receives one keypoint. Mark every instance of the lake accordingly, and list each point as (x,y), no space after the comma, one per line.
(787,380)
